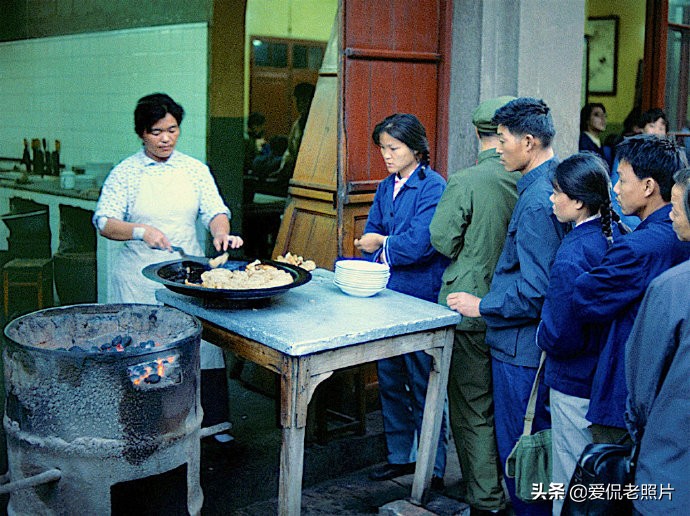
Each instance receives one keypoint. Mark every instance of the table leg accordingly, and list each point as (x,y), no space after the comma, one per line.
(433,413)
(291,468)
(297,388)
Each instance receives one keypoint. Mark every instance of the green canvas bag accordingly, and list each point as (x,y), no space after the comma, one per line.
(530,460)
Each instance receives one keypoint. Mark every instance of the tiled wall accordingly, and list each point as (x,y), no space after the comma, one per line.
(82,89)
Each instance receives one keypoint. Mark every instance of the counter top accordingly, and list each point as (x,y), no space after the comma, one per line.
(50,186)
(318,316)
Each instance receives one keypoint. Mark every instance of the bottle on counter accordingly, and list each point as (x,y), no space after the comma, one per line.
(26,157)
(39,159)
(47,160)
(56,159)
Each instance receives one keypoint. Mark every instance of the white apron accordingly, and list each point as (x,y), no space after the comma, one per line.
(167,201)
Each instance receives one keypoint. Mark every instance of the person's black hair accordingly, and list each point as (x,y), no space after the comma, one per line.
(653,156)
(652,115)
(682,178)
(304,90)
(631,121)
(527,115)
(278,144)
(151,108)
(586,113)
(585,177)
(408,129)
(255,119)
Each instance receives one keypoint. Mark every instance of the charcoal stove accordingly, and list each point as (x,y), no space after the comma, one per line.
(100,399)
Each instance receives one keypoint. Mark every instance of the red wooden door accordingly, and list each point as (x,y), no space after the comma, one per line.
(393,63)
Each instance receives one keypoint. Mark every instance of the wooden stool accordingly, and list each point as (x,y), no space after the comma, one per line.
(25,273)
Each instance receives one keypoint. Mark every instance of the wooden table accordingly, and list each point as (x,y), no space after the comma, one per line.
(309,332)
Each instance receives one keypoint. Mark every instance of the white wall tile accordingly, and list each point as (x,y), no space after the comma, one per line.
(82,89)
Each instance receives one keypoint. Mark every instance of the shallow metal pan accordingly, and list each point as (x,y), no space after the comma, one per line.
(173,274)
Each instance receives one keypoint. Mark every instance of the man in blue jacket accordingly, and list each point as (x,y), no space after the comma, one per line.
(613,290)
(512,307)
(657,362)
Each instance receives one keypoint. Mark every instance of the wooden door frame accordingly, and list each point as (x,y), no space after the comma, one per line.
(655,42)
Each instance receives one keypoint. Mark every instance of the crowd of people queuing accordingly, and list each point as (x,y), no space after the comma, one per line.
(529,249)
(540,262)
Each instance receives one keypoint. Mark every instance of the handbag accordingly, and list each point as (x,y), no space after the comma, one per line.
(530,460)
(599,467)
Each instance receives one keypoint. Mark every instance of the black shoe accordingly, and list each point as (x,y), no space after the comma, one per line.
(437,483)
(389,471)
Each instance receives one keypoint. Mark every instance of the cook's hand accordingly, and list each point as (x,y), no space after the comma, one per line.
(464,303)
(156,239)
(223,242)
(369,242)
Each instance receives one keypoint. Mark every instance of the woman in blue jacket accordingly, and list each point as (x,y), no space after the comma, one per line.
(580,196)
(397,233)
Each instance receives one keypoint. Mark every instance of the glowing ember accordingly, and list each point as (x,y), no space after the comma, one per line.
(155,371)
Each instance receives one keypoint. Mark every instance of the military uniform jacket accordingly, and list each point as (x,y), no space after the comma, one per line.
(470,225)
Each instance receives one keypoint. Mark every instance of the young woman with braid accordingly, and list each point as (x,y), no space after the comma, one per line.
(397,233)
(581,187)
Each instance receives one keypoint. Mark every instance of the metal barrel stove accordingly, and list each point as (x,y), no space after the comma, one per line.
(100,399)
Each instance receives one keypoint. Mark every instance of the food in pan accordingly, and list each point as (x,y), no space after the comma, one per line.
(218,261)
(293,259)
(255,276)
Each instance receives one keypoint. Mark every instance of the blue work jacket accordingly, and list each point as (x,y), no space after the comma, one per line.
(572,344)
(658,374)
(416,267)
(612,292)
(512,307)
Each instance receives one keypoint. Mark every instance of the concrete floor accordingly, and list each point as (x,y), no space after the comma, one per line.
(241,477)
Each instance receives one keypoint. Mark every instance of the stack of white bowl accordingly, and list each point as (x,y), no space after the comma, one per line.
(360,278)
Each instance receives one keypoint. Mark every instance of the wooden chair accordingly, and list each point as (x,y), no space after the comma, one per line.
(27,277)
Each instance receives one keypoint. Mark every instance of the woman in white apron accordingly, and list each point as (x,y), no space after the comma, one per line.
(152,200)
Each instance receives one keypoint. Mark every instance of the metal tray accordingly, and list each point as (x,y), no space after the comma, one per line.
(173,274)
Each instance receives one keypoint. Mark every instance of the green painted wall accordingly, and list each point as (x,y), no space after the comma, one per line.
(630,51)
(26,19)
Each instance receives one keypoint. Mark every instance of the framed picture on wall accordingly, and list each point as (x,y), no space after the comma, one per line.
(602,62)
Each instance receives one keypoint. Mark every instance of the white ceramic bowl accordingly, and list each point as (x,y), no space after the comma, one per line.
(362,265)
(358,292)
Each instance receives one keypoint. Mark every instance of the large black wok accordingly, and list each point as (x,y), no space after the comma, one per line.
(173,274)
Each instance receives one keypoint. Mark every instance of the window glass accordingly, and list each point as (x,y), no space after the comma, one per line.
(679,11)
(677,79)
(299,56)
(315,58)
(270,54)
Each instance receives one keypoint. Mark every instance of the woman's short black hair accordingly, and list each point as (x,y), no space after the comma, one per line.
(527,115)
(682,178)
(586,112)
(151,108)
(408,129)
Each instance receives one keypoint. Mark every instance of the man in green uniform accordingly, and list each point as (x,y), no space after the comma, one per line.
(469,227)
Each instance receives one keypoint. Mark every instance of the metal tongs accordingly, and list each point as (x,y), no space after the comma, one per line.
(214,263)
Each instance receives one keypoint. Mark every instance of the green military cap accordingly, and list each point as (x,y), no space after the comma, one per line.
(484,112)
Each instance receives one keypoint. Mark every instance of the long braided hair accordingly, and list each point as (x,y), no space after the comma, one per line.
(584,177)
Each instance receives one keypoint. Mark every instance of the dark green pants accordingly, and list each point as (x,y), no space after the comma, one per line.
(471,404)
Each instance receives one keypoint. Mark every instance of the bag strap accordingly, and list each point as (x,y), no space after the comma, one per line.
(532,403)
